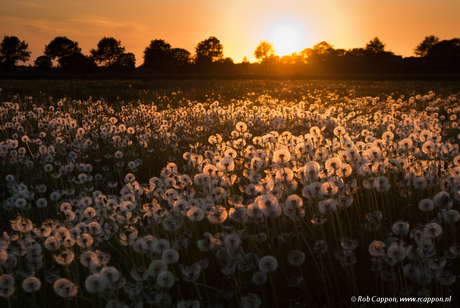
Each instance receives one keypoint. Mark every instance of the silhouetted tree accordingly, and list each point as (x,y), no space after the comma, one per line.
(287,59)
(13,50)
(157,55)
(108,51)
(423,48)
(296,63)
(376,59)
(77,63)
(446,50)
(125,63)
(208,51)
(245,65)
(305,54)
(323,51)
(375,46)
(318,54)
(180,58)
(226,65)
(127,59)
(61,47)
(210,48)
(44,63)
(321,57)
(357,52)
(263,53)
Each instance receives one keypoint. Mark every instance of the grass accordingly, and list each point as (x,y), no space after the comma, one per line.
(160,92)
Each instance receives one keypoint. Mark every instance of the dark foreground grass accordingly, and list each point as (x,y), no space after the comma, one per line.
(179,92)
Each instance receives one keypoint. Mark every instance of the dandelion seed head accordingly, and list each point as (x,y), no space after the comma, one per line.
(65,288)
(165,279)
(268,264)
(426,205)
(95,283)
(296,257)
(31,284)
(251,300)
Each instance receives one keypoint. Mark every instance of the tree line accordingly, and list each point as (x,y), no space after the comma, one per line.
(161,58)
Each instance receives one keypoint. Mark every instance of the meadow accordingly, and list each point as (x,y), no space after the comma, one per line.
(228,193)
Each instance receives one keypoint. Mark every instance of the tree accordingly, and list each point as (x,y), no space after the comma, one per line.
(61,47)
(225,65)
(245,65)
(264,51)
(323,51)
(43,62)
(375,46)
(77,63)
(157,55)
(210,48)
(108,51)
(13,50)
(124,63)
(446,50)
(422,49)
(127,59)
(180,58)
(357,52)
(209,51)
(305,55)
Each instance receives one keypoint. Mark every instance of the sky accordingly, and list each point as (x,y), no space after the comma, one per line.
(240,25)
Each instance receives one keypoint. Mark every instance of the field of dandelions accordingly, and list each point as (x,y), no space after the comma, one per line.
(256,201)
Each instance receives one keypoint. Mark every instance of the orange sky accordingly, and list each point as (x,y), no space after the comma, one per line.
(239,24)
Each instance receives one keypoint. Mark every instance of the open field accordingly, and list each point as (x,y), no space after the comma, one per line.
(213,193)
(165,91)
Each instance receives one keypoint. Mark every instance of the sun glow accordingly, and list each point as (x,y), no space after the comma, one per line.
(287,37)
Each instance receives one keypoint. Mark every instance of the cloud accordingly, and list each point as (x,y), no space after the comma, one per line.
(30,4)
(98,22)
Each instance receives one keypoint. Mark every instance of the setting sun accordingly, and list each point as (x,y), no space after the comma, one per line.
(287,37)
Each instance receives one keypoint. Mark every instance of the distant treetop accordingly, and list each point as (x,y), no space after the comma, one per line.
(210,48)
(13,50)
(109,51)
(61,47)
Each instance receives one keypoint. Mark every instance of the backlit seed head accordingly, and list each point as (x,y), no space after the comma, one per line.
(259,278)
(400,228)
(268,264)
(443,200)
(251,300)
(349,243)
(426,205)
(377,249)
(31,284)
(296,257)
(165,279)
(95,283)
